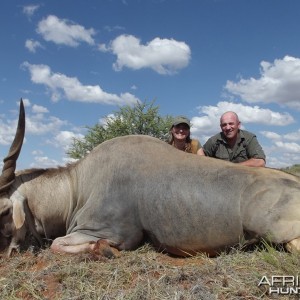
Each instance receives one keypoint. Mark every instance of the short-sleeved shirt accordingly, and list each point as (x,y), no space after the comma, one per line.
(195,146)
(246,147)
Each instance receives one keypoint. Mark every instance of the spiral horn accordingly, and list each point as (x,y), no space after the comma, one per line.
(8,171)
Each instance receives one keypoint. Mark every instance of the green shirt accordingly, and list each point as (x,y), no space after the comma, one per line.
(246,147)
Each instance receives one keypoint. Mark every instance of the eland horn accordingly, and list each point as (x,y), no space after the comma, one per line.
(8,171)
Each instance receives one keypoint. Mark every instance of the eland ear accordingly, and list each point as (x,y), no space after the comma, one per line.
(18,213)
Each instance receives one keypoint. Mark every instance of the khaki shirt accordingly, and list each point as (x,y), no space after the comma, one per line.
(195,146)
(246,147)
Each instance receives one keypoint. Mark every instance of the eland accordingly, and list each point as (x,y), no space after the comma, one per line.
(136,186)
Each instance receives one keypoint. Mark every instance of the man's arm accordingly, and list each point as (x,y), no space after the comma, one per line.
(200,152)
(255,153)
(254,162)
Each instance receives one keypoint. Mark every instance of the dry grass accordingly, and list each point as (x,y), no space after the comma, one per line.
(143,274)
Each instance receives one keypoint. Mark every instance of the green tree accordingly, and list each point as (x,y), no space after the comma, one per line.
(142,118)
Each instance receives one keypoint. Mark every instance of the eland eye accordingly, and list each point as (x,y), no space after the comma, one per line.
(5,212)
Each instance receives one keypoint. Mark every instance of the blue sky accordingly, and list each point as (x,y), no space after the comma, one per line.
(75,62)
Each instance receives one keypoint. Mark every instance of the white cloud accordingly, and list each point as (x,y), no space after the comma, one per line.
(71,88)
(26,102)
(38,124)
(113,28)
(8,126)
(103,48)
(64,139)
(44,162)
(37,152)
(41,161)
(64,32)
(29,10)
(279,83)
(164,56)
(32,45)
(271,135)
(291,159)
(275,162)
(293,136)
(284,150)
(288,147)
(39,109)
(7,131)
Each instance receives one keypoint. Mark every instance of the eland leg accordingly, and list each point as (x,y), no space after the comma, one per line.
(76,242)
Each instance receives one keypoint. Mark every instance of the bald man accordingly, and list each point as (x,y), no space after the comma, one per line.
(234,144)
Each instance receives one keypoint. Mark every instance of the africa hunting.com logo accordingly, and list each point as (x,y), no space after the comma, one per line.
(281,285)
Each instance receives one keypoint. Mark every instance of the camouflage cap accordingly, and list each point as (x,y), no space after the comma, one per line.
(181,120)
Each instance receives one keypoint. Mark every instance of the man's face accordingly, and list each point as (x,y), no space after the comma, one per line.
(230,125)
